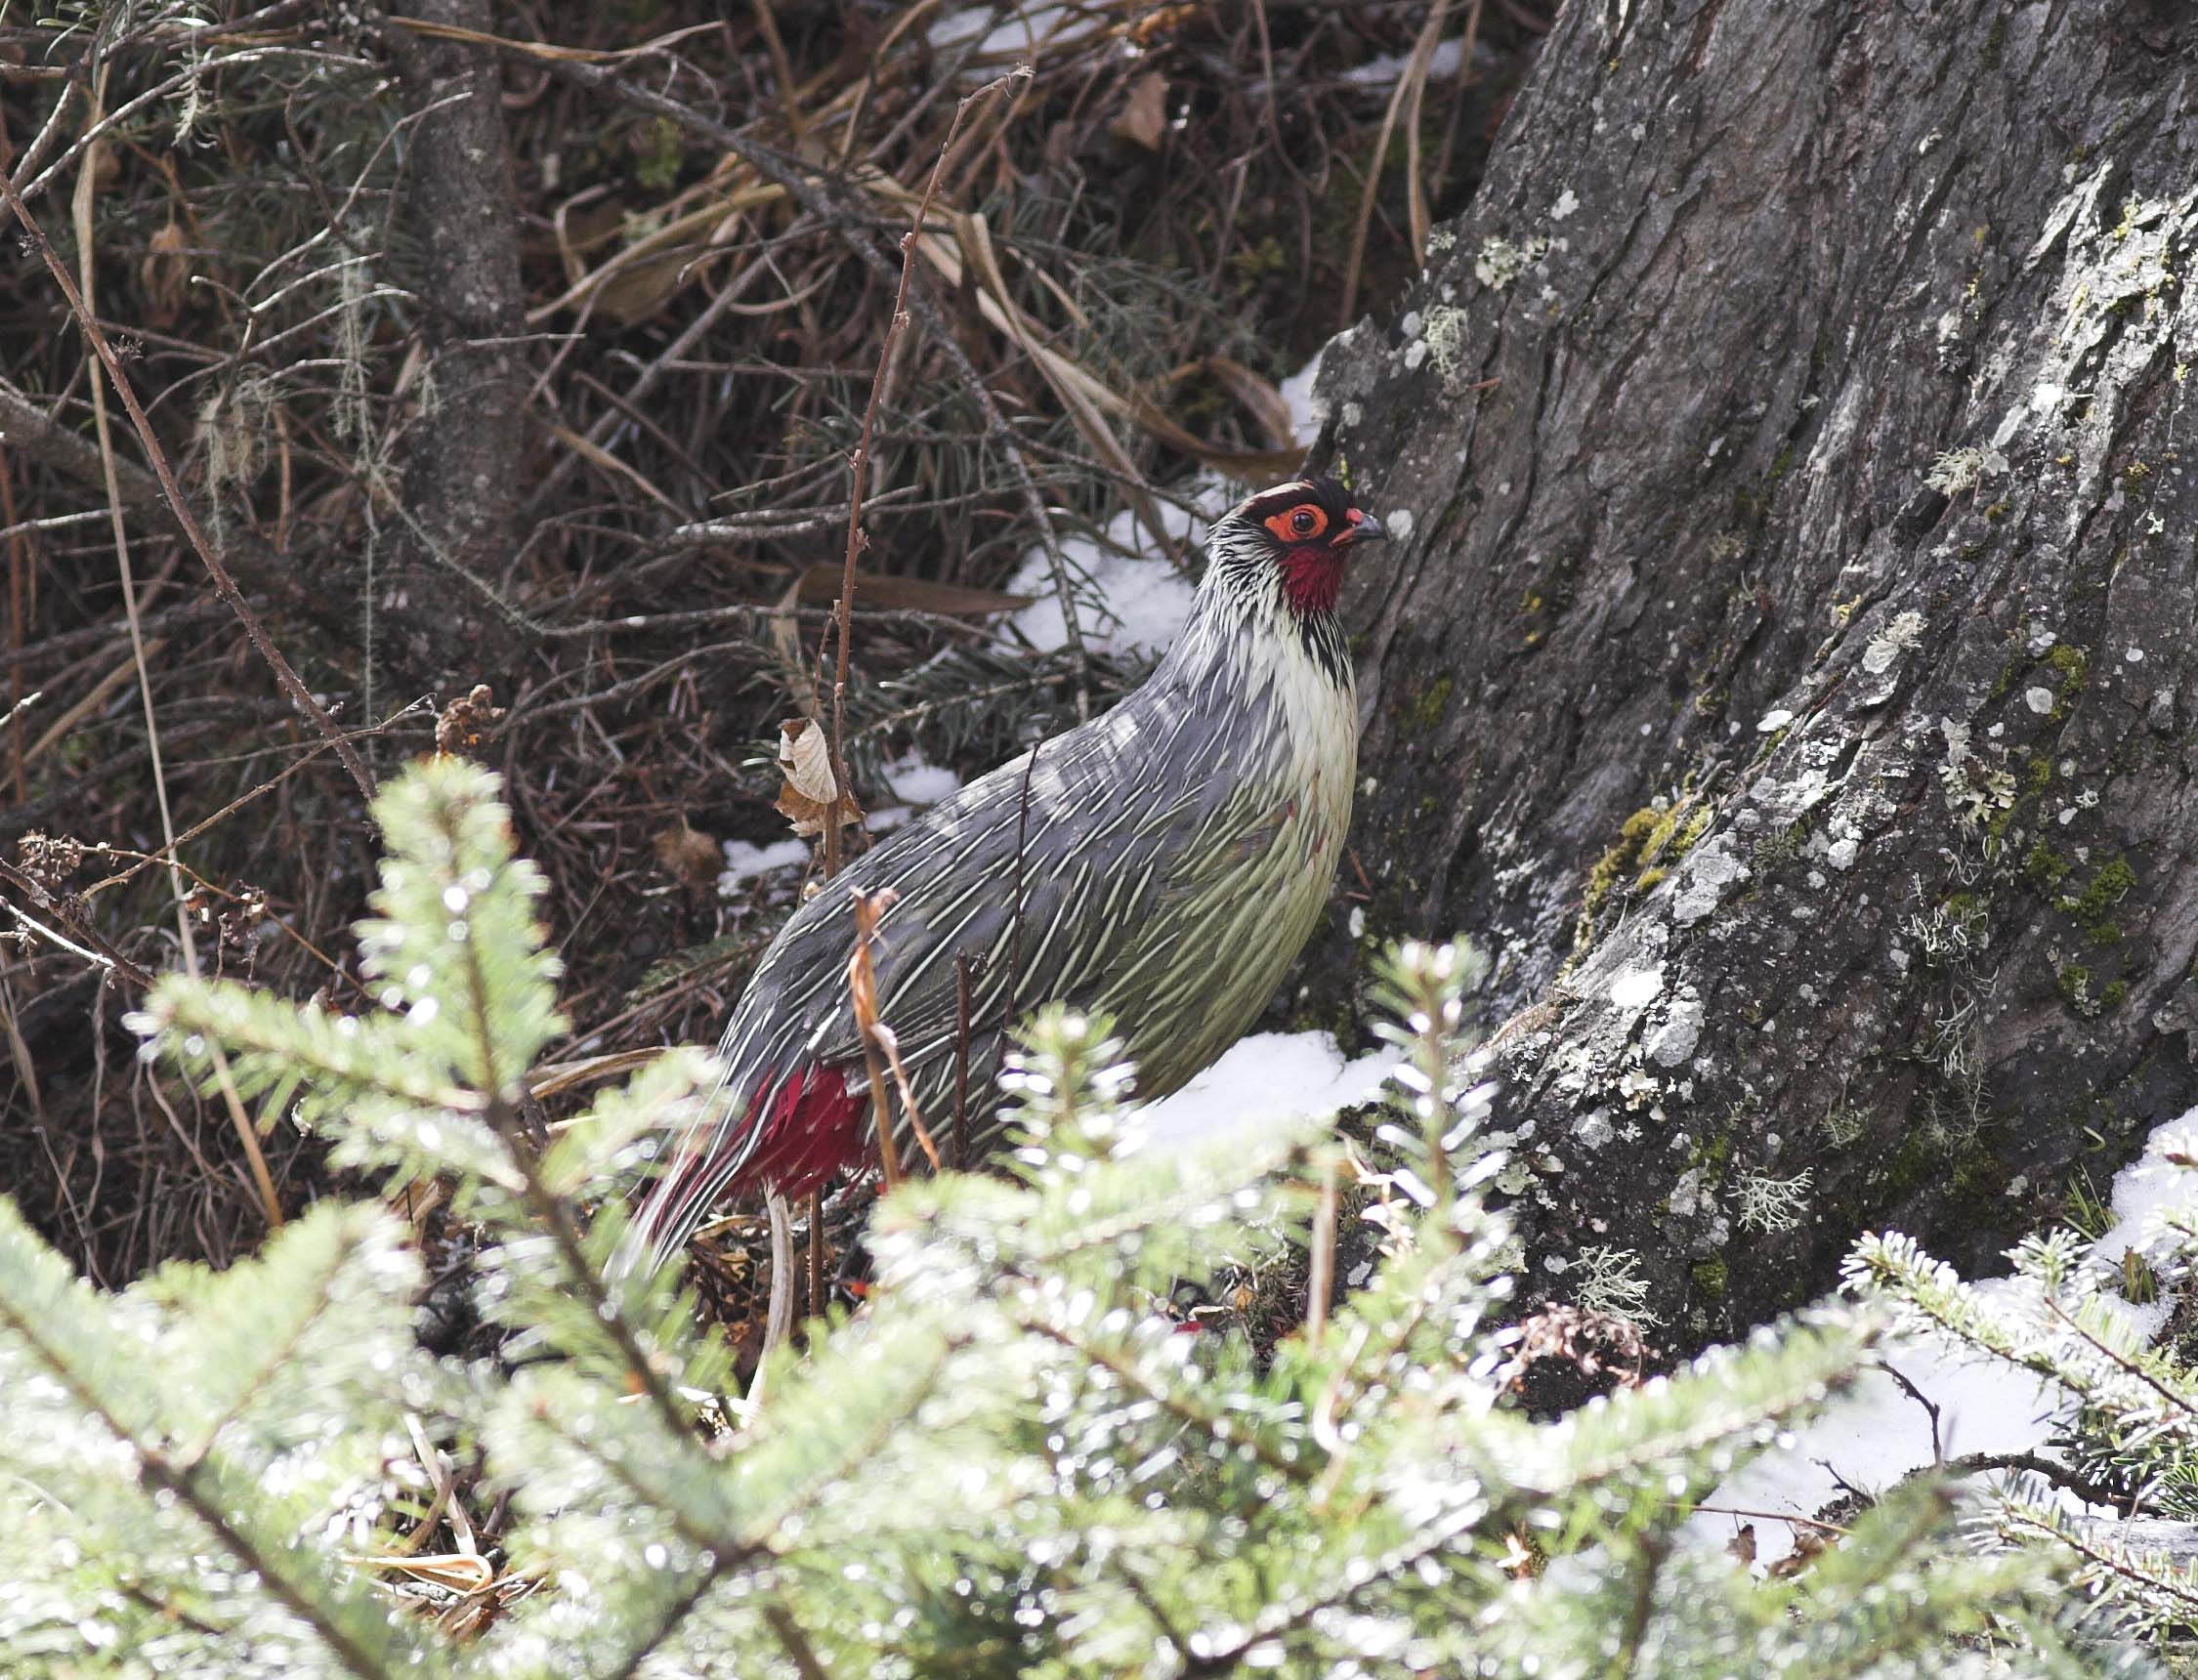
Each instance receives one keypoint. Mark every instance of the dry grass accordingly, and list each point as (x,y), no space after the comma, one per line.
(1128,247)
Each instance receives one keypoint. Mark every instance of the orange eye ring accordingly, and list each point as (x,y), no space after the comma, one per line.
(1302,524)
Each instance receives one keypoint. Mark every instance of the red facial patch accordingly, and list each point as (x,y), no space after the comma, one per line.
(1302,524)
(1312,578)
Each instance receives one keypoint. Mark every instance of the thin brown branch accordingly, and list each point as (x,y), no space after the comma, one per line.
(1320,1279)
(862,986)
(550,1209)
(247,1137)
(101,950)
(854,228)
(816,1256)
(224,584)
(859,539)
(2057,1475)
(1405,93)
(795,1643)
(1770,1517)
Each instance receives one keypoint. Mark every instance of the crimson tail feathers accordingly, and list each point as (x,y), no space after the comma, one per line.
(790,1137)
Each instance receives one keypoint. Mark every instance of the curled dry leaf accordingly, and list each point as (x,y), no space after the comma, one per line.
(165,274)
(1809,1546)
(1143,117)
(1741,1549)
(688,856)
(464,723)
(812,796)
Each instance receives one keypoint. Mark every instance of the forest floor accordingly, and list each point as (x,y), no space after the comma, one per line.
(1133,251)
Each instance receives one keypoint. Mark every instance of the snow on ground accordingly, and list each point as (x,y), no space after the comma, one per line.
(912,781)
(1021,35)
(915,782)
(1143,597)
(1267,1077)
(744,862)
(1877,1434)
(1305,415)
(1383,71)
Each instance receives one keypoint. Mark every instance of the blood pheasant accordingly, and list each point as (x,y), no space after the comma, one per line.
(1163,863)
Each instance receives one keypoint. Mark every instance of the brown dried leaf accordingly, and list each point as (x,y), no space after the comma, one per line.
(165,274)
(1808,1544)
(464,723)
(1159,21)
(1742,1546)
(688,856)
(812,795)
(635,294)
(1143,117)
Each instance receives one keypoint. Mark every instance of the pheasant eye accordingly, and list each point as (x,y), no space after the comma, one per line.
(1300,524)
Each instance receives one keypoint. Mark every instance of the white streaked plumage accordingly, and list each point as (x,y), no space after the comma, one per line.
(1179,849)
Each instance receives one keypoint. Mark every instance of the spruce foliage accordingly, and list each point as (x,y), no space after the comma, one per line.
(1012,1462)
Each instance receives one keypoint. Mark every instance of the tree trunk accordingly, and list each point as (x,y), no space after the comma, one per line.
(1788,675)
(465,446)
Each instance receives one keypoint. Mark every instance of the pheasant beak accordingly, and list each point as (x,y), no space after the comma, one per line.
(1359,526)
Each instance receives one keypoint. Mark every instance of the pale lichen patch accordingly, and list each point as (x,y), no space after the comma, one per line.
(1711,867)
(1959,469)
(1887,646)
(1671,1044)
(1443,335)
(1502,261)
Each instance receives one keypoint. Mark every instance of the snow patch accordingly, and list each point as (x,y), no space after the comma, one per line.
(1266,1079)
(1141,599)
(1383,70)
(915,782)
(1307,412)
(1022,36)
(1876,1434)
(744,862)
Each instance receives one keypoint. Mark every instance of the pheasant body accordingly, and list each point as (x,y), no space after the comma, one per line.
(1166,863)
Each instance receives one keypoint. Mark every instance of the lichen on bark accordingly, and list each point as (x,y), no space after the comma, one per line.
(1833,420)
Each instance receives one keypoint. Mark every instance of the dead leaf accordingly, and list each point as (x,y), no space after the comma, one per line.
(635,293)
(1741,1549)
(1159,22)
(1143,117)
(165,274)
(465,723)
(458,1572)
(689,857)
(1808,1544)
(786,642)
(812,795)
(1258,395)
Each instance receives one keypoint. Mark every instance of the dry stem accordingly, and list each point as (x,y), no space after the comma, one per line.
(858,539)
(224,585)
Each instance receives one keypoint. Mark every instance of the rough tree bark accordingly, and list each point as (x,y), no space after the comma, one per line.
(464,448)
(1790,675)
